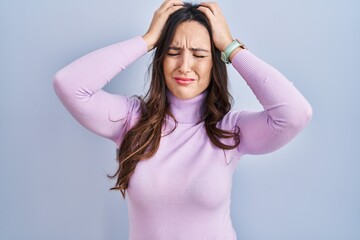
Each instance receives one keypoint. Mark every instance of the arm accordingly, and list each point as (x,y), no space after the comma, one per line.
(286,111)
(79,87)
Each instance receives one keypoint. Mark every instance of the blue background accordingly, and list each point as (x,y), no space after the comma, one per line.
(53,182)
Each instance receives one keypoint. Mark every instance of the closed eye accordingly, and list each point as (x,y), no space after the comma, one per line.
(173,54)
(177,54)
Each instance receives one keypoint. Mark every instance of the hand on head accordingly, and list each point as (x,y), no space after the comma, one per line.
(159,19)
(220,29)
(221,32)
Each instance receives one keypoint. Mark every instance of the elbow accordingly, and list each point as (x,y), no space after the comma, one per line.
(62,86)
(301,117)
(57,82)
(308,113)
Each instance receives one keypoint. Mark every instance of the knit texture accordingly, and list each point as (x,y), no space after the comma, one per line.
(184,190)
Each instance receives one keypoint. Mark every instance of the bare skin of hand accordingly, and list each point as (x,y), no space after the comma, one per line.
(221,31)
(159,19)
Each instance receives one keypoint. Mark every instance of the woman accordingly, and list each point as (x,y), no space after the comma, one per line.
(179,147)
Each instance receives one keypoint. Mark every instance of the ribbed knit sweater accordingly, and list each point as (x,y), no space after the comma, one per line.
(183,191)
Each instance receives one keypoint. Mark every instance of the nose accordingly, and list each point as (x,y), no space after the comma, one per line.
(186,63)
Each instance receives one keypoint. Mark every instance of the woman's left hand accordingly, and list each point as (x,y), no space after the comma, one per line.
(221,32)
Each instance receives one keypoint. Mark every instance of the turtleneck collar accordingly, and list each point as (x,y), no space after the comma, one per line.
(186,110)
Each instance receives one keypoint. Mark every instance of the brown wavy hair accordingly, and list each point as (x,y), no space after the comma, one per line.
(142,141)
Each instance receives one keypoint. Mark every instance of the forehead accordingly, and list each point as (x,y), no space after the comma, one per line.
(191,34)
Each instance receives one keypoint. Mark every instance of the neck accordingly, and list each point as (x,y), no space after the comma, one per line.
(186,110)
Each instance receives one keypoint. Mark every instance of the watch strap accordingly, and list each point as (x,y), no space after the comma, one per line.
(225,55)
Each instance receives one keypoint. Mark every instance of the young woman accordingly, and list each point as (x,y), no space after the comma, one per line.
(179,145)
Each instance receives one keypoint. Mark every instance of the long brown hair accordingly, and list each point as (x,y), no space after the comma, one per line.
(142,141)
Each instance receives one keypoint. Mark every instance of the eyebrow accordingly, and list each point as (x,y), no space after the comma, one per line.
(192,49)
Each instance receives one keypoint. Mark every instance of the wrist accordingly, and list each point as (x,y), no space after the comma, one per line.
(149,42)
(231,49)
(225,44)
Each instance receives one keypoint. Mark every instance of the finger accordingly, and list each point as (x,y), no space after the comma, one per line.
(170,4)
(207,11)
(176,5)
(167,8)
(212,6)
(172,10)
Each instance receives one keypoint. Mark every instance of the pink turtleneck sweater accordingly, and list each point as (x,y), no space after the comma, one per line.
(183,192)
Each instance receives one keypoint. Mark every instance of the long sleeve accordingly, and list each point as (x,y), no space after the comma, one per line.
(286,112)
(79,87)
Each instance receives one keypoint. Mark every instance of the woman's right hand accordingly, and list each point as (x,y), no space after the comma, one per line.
(159,19)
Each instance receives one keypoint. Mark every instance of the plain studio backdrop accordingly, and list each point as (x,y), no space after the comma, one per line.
(53,182)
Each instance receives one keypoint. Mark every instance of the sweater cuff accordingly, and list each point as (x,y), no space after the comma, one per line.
(245,62)
(140,45)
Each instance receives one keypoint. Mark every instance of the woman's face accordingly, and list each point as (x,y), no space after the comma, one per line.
(187,65)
